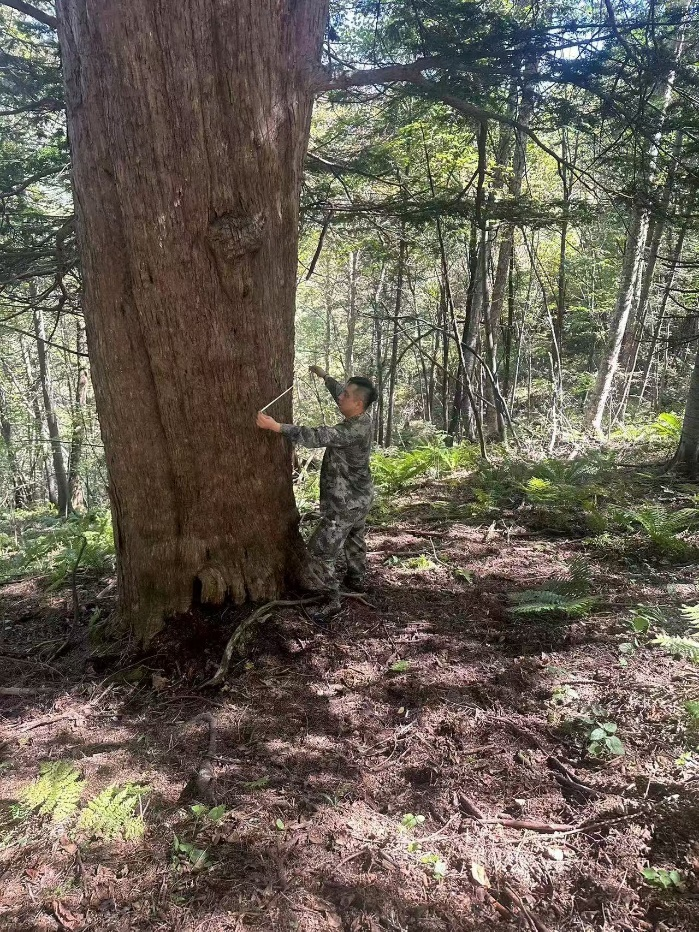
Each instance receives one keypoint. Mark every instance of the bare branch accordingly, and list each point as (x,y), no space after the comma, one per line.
(32,11)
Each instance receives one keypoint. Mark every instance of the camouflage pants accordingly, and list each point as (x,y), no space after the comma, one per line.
(338,538)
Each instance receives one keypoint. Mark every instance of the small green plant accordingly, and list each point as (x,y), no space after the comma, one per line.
(666,880)
(564,695)
(400,666)
(212,815)
(260,784)
(55,792)
(410,821)
(198,858)
(438,866)
(111,813)
(603,741)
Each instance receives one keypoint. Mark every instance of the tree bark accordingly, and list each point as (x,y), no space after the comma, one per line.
(188,126)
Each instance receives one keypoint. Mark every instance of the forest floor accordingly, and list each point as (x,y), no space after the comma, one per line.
(425,764)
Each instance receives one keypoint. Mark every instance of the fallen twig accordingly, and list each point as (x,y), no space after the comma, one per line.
(242,633)
(49,720)
(568,778)
(21,691)
(531,918)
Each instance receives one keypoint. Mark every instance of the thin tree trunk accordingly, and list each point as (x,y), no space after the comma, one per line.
(392,373)
(188,125)
(59,469)
(19,484)
(670,277)
(77,500)
(686,458)
(353,275)
(40,426)
(632,265)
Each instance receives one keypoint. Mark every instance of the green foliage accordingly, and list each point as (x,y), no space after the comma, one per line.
(660,530)
(111,813)
(603,741)
(393,471)
(49,546)
(679,646)
(665,879)
(411,821)
(400,666)
(198,858)
(55,792)
(565,597)
(436,863)
(215,814)
(666,426)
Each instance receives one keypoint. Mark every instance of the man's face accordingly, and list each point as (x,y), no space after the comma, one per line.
(350,401)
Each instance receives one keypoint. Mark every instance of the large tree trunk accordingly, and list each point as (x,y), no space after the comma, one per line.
(188,125)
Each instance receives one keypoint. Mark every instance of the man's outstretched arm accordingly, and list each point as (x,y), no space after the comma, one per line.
(341,435)
(333,386)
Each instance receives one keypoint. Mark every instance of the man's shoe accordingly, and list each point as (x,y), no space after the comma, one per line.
(325,615)
(355,584)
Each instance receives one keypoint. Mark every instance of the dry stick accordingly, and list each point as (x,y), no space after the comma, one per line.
(242,630)
(533,920)
(19,691)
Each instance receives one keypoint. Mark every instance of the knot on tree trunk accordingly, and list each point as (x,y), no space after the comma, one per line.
(233,235)
(214,587)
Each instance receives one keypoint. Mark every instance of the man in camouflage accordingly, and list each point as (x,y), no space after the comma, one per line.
(346,490)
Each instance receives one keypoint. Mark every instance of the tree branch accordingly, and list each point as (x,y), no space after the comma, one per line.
(412,73)
(32,11)
(366,77)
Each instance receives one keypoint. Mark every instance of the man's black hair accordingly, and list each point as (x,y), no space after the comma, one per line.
(366,389)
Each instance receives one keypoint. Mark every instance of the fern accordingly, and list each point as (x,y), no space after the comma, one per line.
(567,595)
(684,647)
(662,527)
(539,601)
(691,613)
(56,790)
(111,813)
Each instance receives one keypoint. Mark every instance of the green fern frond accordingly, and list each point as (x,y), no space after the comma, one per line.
(111,813)
(56,790)
(683,647)
(543,600)
(691,613)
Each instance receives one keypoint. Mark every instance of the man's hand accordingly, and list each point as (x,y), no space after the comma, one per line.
(268,423)
(316,370)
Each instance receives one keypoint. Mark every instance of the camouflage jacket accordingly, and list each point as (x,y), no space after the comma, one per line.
(345,479)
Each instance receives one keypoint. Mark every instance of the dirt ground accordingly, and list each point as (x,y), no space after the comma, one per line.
(421,765)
